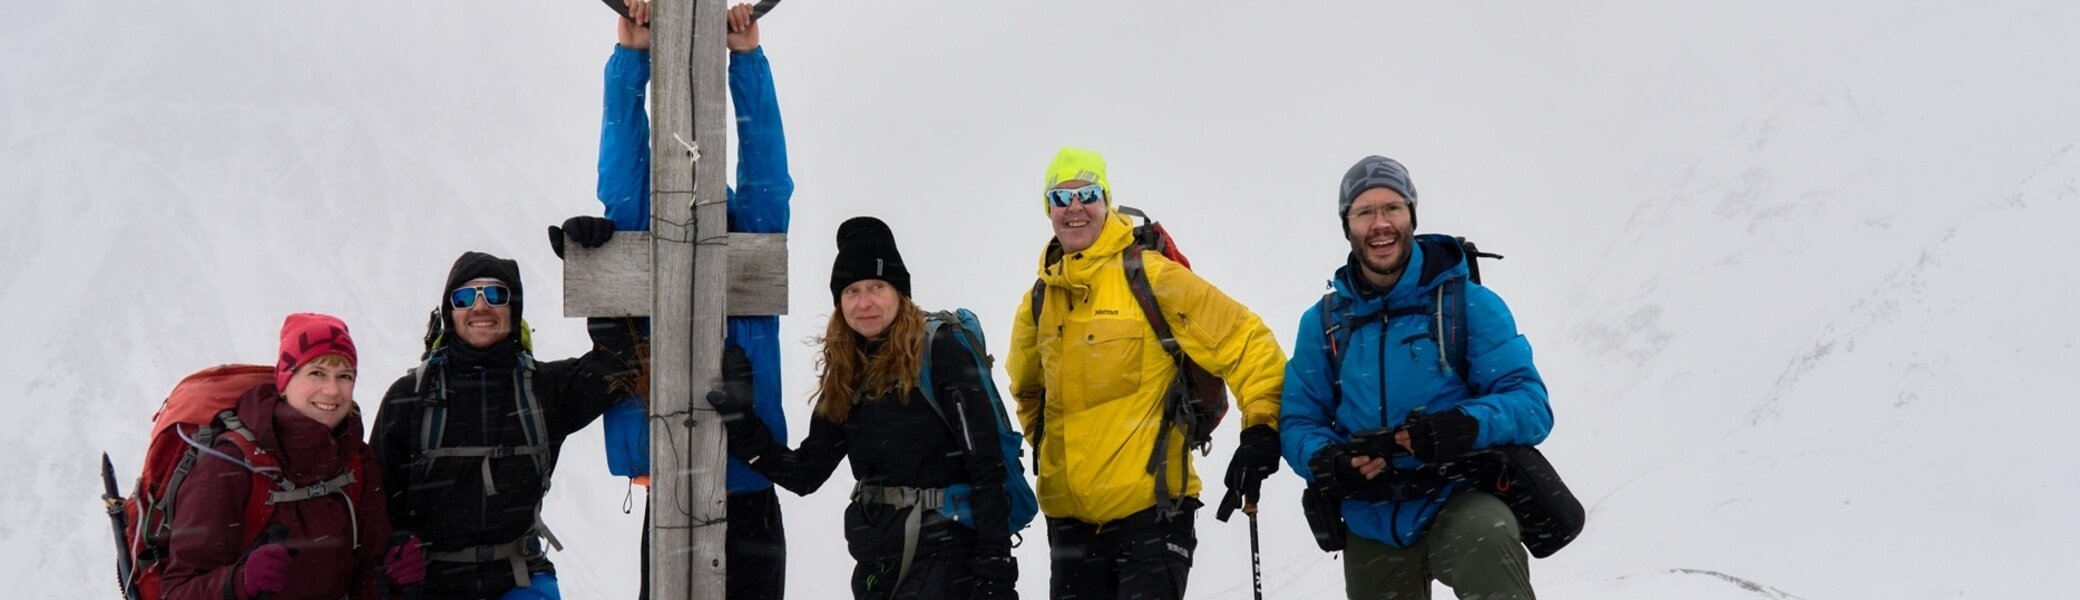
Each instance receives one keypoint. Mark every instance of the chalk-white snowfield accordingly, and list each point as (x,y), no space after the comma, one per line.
(1798,276)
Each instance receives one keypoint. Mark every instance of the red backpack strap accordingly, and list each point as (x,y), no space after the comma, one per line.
(267,476)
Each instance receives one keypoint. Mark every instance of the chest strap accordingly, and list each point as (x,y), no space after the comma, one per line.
(328,487)
(487,453)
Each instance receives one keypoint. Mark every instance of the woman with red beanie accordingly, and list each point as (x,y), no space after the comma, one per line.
(325,533)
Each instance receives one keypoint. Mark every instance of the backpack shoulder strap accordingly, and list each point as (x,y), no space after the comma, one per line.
(433,410)
(1175,410)
(1452,330)
(1145,295)
(1334,309)
(533,419)
(933,322)
(1039,298)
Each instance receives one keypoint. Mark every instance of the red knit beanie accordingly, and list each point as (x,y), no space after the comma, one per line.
(310,335)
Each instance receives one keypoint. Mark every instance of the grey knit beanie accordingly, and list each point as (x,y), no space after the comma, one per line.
(1375,172)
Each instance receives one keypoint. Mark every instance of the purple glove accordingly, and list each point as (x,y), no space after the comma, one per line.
(405,562)
(266,570)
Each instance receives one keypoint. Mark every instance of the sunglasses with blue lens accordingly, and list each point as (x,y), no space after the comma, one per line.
(494,294)
(1066,197)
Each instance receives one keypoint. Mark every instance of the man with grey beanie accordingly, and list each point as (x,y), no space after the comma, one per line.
(1407,366)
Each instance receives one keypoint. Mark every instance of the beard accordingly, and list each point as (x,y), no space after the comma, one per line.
(1387,268)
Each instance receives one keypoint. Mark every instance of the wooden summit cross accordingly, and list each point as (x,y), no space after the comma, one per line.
(686,274)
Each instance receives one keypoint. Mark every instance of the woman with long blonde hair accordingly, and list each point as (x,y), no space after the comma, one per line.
(906,450)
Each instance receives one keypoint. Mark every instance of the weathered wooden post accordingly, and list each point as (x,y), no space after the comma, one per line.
(680,276)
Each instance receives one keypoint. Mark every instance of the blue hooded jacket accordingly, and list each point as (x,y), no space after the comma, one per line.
(1394,367)
(758,204)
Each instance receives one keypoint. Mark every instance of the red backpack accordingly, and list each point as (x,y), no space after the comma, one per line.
(198,414)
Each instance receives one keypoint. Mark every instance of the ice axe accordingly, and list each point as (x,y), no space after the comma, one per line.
(112,497)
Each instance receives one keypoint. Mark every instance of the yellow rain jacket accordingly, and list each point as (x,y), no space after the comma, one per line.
(1092,367)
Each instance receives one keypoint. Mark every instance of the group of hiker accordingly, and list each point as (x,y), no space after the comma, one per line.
(1406,370)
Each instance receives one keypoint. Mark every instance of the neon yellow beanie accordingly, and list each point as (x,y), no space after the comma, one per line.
(1076,164)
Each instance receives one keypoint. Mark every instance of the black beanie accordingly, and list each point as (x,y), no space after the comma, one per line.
(867,250)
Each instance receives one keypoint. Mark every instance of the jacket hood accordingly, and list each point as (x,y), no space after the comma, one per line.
(308,451)
(477,265)
(1075,269)
(1436,258)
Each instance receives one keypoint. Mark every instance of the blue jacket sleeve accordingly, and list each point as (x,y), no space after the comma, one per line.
(1511,405)
(759,203)
(624,141)
(1307,403)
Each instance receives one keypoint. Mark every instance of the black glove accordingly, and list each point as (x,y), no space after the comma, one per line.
(996,578)
(1255,458)
(621,337)
(1442,436)
(1332,467)
(587,231)
(734,397)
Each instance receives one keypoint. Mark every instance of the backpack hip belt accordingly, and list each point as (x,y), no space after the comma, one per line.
(515,553)
(900,496)
(918,500)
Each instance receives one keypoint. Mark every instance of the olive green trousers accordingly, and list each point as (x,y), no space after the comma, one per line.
(1475,546)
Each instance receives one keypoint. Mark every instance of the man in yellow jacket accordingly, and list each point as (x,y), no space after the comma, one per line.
(1091,379)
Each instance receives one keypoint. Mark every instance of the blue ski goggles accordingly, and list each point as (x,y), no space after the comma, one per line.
(494,294)
(1066,197)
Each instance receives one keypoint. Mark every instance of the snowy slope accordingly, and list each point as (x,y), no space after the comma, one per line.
(1795,273)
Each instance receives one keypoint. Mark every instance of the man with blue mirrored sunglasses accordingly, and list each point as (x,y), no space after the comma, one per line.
(467,440)
(466,297)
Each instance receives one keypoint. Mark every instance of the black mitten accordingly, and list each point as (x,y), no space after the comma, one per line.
(1332,467)
(1443,436)
(734,397)
(589,231)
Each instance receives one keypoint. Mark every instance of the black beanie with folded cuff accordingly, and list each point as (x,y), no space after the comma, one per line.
(867,250)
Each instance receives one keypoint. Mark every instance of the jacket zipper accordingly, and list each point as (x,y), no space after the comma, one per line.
(1394,523)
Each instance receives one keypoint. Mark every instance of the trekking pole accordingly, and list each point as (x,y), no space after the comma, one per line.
(1234,499)
(112,498)
(1256,554)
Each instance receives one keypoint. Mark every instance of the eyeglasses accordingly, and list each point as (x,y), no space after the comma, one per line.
(1370,213)
(495,295)
(1066,197)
